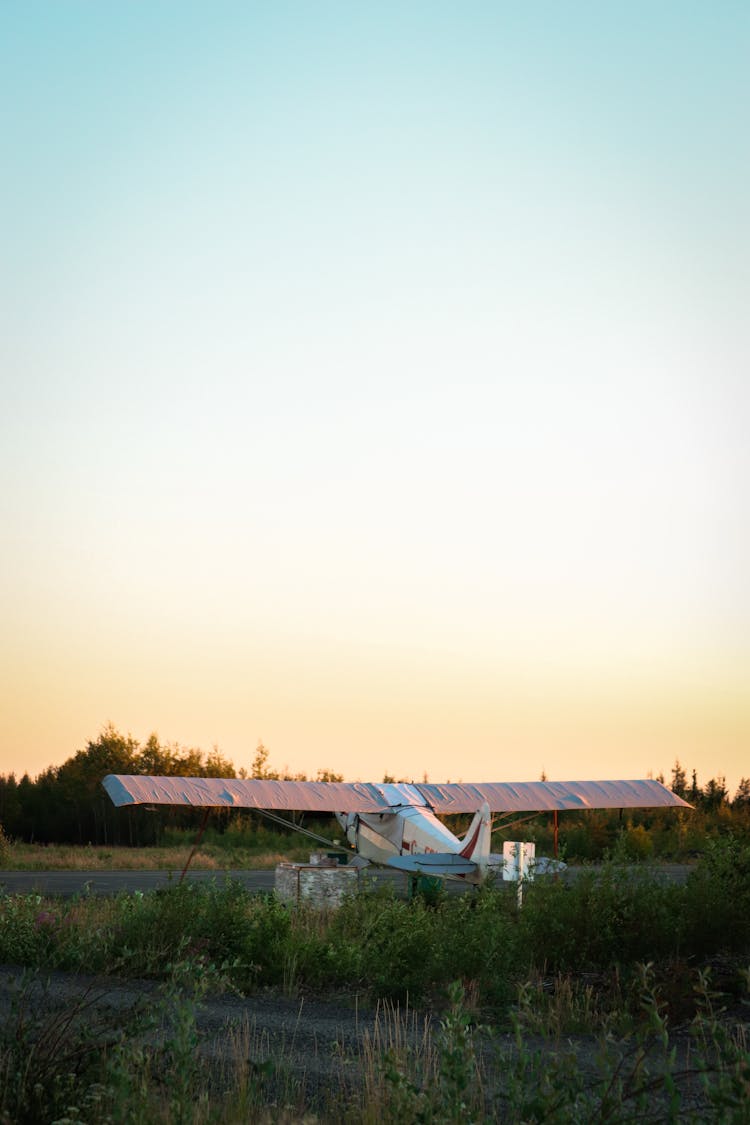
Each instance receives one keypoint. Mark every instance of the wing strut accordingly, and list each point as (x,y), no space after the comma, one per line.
(305,831)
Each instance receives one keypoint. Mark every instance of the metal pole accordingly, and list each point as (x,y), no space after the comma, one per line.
(555,836)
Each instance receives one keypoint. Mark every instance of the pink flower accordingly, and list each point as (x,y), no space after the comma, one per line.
(45,920)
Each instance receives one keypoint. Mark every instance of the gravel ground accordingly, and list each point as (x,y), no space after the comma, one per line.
(317,1047)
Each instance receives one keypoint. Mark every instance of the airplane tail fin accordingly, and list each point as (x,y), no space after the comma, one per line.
(476,842)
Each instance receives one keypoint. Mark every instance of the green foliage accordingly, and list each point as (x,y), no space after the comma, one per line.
(391,948)
(450,1093)
(260,768)
(398,957)
(634,1078)
(218,928)
(638,843)
(49,1059)
(402,957)
(605,916)
(717,900)
(723,1058)
(544,1086)
(77,1061)
(216,931)
(479,942)
(637,1077)
(29,930)
(68,804)
(458,1072)
(404,950)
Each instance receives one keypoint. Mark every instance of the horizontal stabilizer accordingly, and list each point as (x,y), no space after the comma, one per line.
(434,863)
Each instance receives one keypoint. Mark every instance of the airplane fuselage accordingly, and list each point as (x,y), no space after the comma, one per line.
(411,830)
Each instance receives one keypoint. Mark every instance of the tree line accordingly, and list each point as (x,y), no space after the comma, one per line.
(67,805)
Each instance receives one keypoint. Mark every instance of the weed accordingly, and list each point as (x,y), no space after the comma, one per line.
(51,1055)
(6,848)
(565,1005)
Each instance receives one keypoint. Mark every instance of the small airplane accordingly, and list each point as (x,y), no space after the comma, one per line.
(396,825)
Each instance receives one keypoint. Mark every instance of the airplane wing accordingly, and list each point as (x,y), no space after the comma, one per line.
(544,796)
(246,793)
(366,797)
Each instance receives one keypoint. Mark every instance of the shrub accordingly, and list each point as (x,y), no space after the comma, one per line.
(399,958)
(717,903)
(638,843)
(216,926)
(28,930)
(601,919)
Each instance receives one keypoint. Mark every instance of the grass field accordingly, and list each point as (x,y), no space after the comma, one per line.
(209,857)
(234,850)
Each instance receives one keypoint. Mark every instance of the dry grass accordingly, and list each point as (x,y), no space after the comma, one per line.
(62,857)
(404,1037)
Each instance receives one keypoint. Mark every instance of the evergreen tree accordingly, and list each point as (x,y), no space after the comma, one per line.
(694,792)
(742,796)
(679,781)
(714,793)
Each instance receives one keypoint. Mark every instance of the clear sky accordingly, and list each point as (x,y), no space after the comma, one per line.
(375,384)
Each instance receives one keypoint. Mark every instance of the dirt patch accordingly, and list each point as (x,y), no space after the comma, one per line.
(314,1042)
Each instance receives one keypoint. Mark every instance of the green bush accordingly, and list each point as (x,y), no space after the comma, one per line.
(399,958)
(29,930)
(717,902)
(216,926)
(638,843)
(604,918)
(479,942)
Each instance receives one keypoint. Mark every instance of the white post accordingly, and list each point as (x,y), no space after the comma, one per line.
(518,859)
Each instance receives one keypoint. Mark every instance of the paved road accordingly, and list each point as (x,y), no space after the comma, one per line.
(68,883)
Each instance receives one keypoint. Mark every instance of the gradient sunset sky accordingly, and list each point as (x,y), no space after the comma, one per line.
(375,384)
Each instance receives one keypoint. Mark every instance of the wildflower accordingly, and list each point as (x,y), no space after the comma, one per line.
(45,920)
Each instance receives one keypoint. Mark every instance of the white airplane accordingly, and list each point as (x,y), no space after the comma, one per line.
(396,825)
